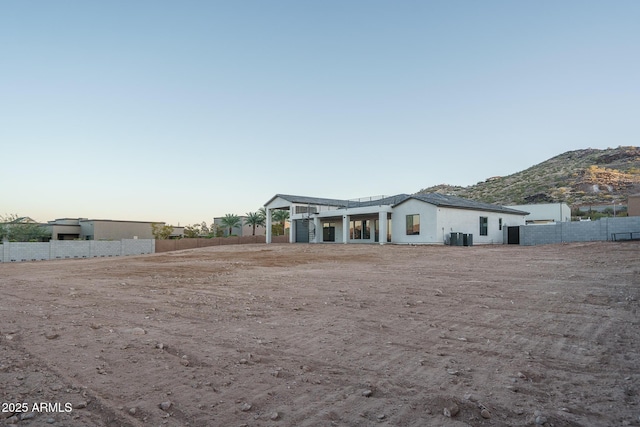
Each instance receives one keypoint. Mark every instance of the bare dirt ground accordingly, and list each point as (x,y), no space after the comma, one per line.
(325,335)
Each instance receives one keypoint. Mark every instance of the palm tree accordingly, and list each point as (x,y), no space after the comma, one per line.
(280,216)
(231,221)
(255,219)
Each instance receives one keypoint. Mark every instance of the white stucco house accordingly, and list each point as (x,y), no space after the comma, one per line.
(400,219)
(545,213)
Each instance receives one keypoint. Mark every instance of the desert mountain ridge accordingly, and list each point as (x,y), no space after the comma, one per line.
(580,177)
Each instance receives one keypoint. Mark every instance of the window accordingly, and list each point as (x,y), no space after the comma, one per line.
(413,224)
(500,224)
(484,225)
(359,229)
(355,230)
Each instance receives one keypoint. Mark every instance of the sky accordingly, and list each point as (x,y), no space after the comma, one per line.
(182,111)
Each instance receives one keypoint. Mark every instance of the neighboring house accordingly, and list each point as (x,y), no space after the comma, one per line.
(633,205)
(178,232)
(103,229)
(65,229)
(544,213)
(244,230)
(402,219)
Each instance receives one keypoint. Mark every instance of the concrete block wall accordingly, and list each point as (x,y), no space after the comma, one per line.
(538,234)
(187,243)
(106,248)
(583,231)
(627,224)
(577,231)
(59,249)
(138,246)
(63,249)
(25,251)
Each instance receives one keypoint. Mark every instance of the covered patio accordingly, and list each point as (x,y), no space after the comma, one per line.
(318,220)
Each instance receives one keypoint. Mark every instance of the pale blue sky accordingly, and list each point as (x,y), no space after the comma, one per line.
(180,111)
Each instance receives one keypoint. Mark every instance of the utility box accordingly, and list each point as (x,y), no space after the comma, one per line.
(467,239)
(455,239)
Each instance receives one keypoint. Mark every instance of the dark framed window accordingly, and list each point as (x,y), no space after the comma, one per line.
(413,224)
(500,224)
(355,230)
(484,225)
(360,229)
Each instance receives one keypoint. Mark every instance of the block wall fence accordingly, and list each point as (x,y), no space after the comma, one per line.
(187,243)
(65,249)
(579,231)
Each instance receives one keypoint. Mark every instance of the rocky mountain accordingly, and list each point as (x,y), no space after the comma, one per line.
(579,177)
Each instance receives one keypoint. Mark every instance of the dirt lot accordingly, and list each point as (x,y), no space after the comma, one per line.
(325,335)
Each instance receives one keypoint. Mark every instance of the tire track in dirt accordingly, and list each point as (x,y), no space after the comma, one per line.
(232,336)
